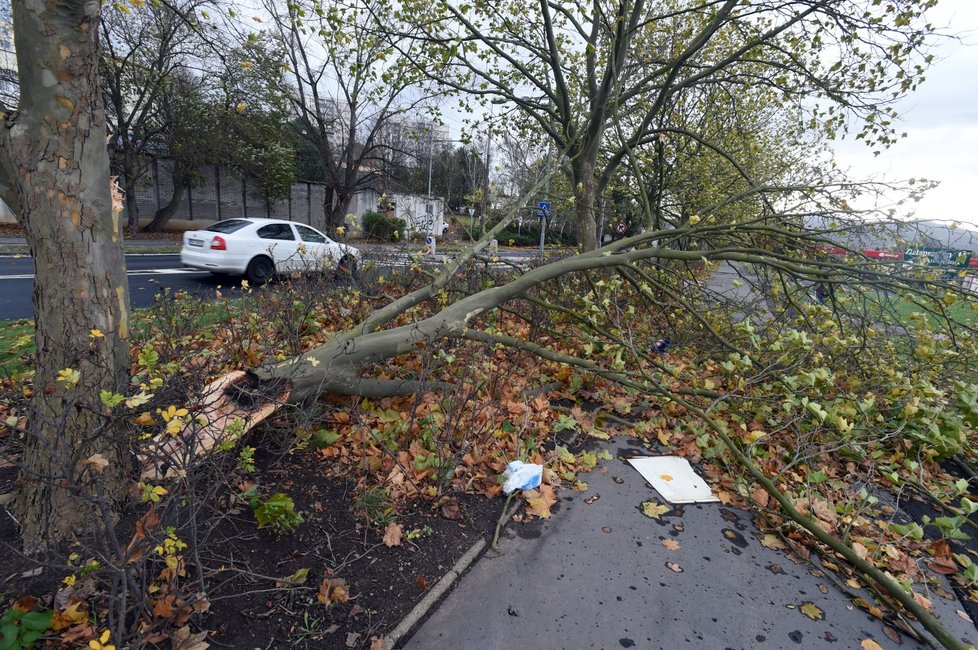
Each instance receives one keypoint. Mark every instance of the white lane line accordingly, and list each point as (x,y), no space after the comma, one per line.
(30,276)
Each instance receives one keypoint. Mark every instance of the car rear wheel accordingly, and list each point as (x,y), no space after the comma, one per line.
(260,270)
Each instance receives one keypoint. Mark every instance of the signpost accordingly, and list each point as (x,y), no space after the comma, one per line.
(942,257)
(543,211)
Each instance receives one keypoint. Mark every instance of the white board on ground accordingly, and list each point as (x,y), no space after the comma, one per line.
(673,478)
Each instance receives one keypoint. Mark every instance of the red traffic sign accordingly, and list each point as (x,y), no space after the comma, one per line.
(620,227)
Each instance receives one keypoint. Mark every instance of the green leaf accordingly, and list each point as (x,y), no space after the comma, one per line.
(148,357)
(566,422)
(37,620)
(296,578)
(110,399)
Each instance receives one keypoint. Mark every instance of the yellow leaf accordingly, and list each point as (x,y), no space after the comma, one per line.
(812,611)
(869,644)
(296,578)
(654,510)
(144,419)
(138,400)
(96,334)
(69,376)
(671,544)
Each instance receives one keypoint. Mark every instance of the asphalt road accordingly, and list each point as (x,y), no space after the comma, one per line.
(148,275)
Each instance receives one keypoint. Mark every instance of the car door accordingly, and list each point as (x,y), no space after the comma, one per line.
(279,241)
(317,251)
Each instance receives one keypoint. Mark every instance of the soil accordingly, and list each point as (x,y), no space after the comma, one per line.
(249,605)
(384,583)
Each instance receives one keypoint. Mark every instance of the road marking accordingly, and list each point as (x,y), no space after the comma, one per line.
(30,276)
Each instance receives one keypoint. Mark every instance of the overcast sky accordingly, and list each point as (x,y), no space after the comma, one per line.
(941,121)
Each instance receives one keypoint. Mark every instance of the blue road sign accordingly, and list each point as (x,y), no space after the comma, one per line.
(543,205)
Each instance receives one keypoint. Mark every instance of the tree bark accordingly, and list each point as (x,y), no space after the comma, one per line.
(57,174)
(584,195)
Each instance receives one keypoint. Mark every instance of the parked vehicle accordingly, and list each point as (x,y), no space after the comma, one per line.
(261,248)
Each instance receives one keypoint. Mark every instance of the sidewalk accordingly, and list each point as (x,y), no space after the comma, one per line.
(598,575)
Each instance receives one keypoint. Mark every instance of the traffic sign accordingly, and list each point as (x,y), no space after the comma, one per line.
(543,205)
(620,227)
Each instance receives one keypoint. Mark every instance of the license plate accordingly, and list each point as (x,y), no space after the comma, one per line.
(195,242)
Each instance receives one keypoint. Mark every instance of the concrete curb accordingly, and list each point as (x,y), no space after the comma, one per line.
(432,597)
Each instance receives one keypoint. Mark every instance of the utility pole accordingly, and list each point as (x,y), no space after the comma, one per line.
(431,154)
(485,191)
(543,213)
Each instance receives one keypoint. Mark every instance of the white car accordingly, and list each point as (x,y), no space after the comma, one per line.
(261,248)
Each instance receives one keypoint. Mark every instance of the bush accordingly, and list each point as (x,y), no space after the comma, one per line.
(380,226)
(530,236)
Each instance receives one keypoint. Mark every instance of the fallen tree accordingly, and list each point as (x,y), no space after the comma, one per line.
(845,374)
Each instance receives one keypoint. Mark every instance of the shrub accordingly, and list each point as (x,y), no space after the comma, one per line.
(380,226)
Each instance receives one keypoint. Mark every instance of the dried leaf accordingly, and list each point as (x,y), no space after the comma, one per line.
(812,611)
(869,644)
(183,639)
(923,601)
(539,501)
(450,511)
(73,614)
(671,544)
(654,509)
(672,566)
(772,542)
(25,604)
(377,643)
(393,534)
(339,595)
(893,635)
(98,462)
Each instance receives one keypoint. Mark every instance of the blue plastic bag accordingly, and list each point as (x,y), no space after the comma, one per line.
(522,476)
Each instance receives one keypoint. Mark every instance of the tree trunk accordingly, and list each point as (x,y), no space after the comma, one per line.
(164,214)
(128,183)
(584,195)
(335,216)
(57,166)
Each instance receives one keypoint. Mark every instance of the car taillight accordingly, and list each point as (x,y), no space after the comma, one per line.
(218,244)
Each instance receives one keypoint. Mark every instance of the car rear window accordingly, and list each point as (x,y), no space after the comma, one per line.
(228,226)
(310,235)
(276,231)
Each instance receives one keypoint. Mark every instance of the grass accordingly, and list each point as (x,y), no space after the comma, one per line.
(17,336)
(962,313)
(16,343)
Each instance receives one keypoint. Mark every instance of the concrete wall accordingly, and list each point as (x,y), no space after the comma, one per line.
(221,193)
(6,216)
